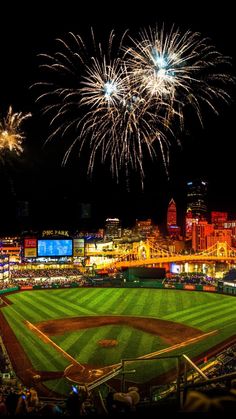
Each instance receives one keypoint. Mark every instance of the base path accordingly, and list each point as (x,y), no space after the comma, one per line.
(170,332)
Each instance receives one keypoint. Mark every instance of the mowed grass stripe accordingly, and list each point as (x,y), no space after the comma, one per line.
(135,341)
(30,311)
(132,343)
(93,301)
(154,303)
(37,305)
(68,309)
(77,307)
(146,342)
(127,303)
(81,340)
(73,308)
(120,305)
(194,311)
(59,309)
(134,302)
(51,311)
(218,313)
(144,309)
(95,294)
(217,320)
(189,310)
(68,340)
(135,305)
(103,355)
(106,303)
(104,300)
(49,358)
(78,294)
(82,348)
(208,312)
(82,294)
(70,294)
(123,339)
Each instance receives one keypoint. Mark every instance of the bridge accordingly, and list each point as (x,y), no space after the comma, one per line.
(149,253)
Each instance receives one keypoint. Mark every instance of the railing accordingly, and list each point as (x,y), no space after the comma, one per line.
(219,379)
(105,378)
(179,385)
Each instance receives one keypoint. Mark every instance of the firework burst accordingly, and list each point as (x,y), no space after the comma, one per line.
(93,97)
(11,134)
(178,70)
(121,105)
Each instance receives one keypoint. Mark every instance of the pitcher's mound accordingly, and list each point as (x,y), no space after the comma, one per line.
(108,343)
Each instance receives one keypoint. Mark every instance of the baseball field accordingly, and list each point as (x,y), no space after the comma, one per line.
(54,334)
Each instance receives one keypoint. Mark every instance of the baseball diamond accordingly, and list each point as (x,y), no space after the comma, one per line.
(55,335)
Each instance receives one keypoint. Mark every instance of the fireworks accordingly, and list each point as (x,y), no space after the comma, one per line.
(178,70)
(122,105)
(118,120)
(11,135)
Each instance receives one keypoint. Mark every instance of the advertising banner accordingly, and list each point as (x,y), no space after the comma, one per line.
(189,287)
(209,288)
(30,252)
(78,248)
(30,243)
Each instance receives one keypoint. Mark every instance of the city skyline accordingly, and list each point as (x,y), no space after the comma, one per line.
(37,176)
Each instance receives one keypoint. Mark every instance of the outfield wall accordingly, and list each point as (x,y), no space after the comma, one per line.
(3,291)
(230,290)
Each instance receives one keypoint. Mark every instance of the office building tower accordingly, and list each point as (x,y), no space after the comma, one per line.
(171,213)
(196,198)
(112,228)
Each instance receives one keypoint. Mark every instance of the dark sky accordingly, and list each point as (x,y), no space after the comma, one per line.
(55,193)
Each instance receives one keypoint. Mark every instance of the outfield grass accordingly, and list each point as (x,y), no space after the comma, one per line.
(204,311)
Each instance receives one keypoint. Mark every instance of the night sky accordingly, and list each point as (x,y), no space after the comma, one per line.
(55,193)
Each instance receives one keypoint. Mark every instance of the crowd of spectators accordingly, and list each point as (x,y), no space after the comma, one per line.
(45,273)
(46,278)
(4,361)
(225,362)
(194,279)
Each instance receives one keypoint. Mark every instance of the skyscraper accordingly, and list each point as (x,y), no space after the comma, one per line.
(171,213)
(172,227)
(196,198)
(112,228)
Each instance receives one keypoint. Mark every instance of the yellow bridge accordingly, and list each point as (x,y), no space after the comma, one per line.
(149,253)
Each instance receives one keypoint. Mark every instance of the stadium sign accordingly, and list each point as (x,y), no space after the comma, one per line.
(48,233)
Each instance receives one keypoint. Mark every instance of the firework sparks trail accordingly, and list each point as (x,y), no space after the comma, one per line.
(11,134)
(123,105)
(178,70)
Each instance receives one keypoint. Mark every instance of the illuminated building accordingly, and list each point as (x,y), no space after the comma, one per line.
(220,235)
(218,218)
(200,231)
(171,213)
(112,228)
(231,224)
(144,228)
(172,227)
(188,224)
(196,198)
(4,267)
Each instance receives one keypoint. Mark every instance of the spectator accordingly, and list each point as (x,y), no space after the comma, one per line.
(3,408)
(75,401)
(32,400)
(123,402)
(200,402)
